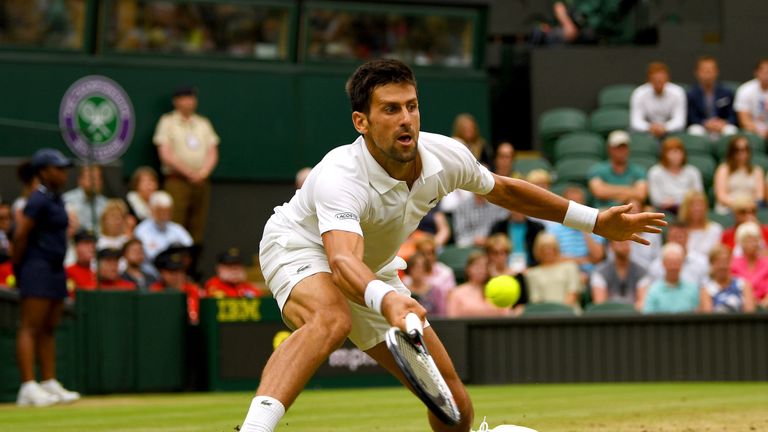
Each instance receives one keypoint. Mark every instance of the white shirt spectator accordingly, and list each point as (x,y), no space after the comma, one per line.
(752,98)
(77,199)
(156,238)
(703,240)
(669,108)
(665,188)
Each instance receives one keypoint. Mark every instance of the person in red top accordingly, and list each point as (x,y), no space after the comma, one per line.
(744,210)
(109,272)
(80,274)
(173,278)
(230,279)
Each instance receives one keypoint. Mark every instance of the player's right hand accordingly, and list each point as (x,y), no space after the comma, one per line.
(395,306)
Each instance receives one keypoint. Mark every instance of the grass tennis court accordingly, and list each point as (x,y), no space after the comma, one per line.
(547,408)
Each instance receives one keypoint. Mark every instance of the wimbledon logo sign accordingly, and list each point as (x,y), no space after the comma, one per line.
(96,119)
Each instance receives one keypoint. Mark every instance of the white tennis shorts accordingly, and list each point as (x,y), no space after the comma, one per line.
(286,261)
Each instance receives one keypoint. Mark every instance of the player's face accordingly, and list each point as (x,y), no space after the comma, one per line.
(393,122)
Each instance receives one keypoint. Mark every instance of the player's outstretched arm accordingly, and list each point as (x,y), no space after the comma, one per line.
(615,223)
(358,283)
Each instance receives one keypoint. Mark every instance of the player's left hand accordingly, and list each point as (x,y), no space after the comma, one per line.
(396,306)
(617,223)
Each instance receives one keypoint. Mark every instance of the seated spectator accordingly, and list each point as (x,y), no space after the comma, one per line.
(109,271)
(301,176)
(81,274)
(115,229)
(522,233)
(6,219)
(749,103)
(473,220)
(230,279)
(466,131)
(72,228)
(641,254)
(504,160)
(583,248)
(727,293)
(468,299)
(173,278)
(554,280)
(673,293)
(441,278)
(616,279)
(540,177)
(744,210)
(695,265)
(89,185)
(617,180)
(435,224)
(417,281)
(6,267)
(738,175)
(671,178)
(137,269)
(710,103)
(752,265)
(658,106)
(703,234)
(144,182)
(158,232)
(497,249)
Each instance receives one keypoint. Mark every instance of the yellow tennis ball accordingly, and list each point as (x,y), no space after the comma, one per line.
(503,291)
(10,281)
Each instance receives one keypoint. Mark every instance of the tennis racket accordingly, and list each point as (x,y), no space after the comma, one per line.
(413,358)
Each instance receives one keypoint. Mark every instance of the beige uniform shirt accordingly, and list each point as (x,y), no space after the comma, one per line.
(190,139)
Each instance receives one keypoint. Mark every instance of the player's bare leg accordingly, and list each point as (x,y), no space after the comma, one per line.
(381,354)
(319,311)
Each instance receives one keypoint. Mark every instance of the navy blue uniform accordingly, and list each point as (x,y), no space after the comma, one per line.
(41,270)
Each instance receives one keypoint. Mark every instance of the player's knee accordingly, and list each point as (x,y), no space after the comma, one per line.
(335,327)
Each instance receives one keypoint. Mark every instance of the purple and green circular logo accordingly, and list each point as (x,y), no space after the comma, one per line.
(96,119)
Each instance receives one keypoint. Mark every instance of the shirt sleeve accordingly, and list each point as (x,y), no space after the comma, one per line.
(339,202)
(212,135)
(474,176)
(656,186)
(677,122)
(162,132)
(637,120)
(35,206)
(649,303)
(741,101)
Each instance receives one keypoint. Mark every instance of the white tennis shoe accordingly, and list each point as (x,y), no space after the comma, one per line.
(32,394)
(503,428)
(62,395)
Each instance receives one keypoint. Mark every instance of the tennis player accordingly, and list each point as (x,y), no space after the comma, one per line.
(329,255)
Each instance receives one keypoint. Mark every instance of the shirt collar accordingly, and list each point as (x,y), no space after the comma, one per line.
(383,182)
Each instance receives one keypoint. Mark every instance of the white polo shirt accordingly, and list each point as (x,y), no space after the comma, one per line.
(349,191)
(752,98)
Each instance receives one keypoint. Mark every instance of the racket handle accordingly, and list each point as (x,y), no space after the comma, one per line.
(413,324)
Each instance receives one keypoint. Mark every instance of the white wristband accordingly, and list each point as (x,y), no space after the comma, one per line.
(581,217)
(374,294)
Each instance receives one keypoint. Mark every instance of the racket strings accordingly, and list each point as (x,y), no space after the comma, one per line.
(429,376)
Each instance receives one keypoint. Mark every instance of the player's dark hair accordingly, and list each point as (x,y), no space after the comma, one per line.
(372,74)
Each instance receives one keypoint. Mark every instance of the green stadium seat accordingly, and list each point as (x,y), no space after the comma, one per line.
(755,143)
(643,143)
(616,96)
(579,144)
(726,220)
(524,165)
(731,85)
(456,258)
(760,160)
(695,144)
(706,165)
(762,215)
(549,309)
(575,169)
(606,120)
(609,308)
(557,122)
(646,162)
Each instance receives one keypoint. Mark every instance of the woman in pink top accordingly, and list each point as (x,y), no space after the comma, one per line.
(752,265)
(468,299)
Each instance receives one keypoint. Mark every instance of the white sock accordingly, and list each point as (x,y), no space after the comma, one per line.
(26,384)
(263,416)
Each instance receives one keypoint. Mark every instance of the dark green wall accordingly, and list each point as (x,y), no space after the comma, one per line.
(272,118)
